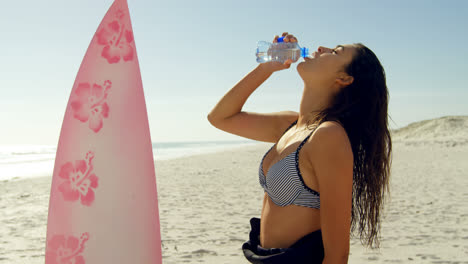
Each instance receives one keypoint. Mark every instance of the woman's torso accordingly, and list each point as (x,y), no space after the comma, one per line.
(282,226)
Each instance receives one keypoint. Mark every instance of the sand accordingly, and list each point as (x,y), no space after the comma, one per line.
(206,202)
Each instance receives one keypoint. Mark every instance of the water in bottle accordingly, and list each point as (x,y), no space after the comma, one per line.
(280,51)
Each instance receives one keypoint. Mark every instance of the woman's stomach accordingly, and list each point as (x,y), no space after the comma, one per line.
(281,227)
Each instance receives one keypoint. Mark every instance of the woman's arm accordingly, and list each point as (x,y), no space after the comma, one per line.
(332,160)
(228,116)
(233,101)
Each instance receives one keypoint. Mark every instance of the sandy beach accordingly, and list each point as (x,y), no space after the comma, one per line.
(206,202)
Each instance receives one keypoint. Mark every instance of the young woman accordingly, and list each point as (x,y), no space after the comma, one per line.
(328,171)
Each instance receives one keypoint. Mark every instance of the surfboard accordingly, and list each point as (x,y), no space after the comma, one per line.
(103,204)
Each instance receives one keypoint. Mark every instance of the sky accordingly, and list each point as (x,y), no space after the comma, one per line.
(192,52)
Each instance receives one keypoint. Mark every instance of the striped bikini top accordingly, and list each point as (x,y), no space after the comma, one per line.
(284,183)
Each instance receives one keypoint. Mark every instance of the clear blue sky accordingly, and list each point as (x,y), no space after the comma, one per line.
(192,52)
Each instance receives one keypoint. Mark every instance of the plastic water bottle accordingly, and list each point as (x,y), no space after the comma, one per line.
(280,51)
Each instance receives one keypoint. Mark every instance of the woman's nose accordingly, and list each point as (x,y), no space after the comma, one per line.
(322,49)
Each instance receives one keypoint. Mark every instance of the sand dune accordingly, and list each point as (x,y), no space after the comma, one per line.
(447,130)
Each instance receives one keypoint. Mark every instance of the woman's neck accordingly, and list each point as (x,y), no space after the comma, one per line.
(312,102)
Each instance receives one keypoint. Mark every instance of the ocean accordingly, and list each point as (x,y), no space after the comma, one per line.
(19,162)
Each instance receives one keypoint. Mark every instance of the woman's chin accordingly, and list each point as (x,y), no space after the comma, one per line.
(300,69)
(300,66)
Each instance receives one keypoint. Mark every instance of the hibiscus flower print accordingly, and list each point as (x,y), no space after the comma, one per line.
(116,40)
(90,104)
(80,180)
(66,250)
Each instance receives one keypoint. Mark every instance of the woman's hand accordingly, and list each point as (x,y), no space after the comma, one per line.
(273,66)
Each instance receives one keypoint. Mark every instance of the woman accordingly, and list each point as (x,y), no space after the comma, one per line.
(329,170)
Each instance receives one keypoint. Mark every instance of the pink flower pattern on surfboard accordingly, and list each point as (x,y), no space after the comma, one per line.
(66,250)
(116,40)
(79,180)
(91,104)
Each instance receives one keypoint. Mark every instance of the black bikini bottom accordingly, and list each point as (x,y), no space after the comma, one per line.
(308,249)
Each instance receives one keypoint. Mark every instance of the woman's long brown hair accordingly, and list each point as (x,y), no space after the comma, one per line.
(361,108)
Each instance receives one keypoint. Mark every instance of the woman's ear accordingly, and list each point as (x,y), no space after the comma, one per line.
(345,80)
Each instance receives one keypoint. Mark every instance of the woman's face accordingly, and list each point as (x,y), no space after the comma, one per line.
(326,68)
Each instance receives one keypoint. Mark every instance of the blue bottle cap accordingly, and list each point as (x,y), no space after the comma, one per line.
(304,52)
(281,39)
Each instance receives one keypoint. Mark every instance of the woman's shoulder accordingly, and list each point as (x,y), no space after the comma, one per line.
(330,129)
(328,138)
(328,152)
(333,123)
